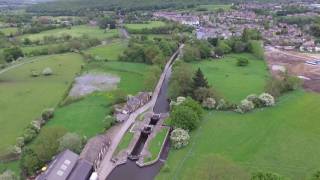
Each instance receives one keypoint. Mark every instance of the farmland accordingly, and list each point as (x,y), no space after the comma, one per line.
(24,97)
(109,51)
(232,82)
(75,31)
(149,25)
(282,139)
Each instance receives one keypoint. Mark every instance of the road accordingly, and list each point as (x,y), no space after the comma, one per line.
(107,165)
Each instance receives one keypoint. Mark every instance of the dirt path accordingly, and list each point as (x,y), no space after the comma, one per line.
(107,165)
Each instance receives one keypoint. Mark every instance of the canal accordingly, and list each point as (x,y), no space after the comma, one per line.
(131,170)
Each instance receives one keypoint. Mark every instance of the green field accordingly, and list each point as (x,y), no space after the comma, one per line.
(149,25)
(233,82)
(8,31)
(23,97)
(109,51)
(124,143)
(28,49)
(283,139)
(215,7)
(75,31)
(156,143)
(84,117)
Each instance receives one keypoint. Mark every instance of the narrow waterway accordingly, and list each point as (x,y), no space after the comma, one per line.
(131,170)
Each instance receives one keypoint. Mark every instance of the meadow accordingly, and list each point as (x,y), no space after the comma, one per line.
(24,97)
(109,51)
(149,25)
(232,82)
(281,139)
(8,31)
(155,144)
(215,7)
(75,31)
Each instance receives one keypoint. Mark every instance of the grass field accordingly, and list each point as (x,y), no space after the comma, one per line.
(84,117)
(75,31)
(23,97)
(124,143)
(215,7)
(282,139)
(233,82)
(8,31)
(109,51)
(151,24)
(155,145)
(27,49)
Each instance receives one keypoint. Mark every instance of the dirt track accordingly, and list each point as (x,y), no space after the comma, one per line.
(294,62)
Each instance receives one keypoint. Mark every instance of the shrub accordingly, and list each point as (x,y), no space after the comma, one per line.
(202,93)
(184,117)
(29,134)
(267,99)
(109,121)
(194,105)
(245,106)
(266,176)
(71,141)
(221,104)
(285,83)
(209,103)
(255,99)
(47,114)
(179,138)
(47,71)
(35,74)
(242,62)
(8,175)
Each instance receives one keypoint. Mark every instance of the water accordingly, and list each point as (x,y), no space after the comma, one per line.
(131,170)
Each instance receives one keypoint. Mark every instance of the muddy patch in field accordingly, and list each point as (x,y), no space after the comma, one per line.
(92,82)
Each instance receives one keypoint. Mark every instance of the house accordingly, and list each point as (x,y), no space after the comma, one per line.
(67,166)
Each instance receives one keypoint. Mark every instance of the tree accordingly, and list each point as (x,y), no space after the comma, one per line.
(199,80)
(47,144)
(223,47)
(71,141)
(209,103)
(194,105)
(191,53)
(107,22)
(11,54)
(204,49)
(202,93)
(181,80)
(315,30)
(30,161)
(184,117)
(151,78)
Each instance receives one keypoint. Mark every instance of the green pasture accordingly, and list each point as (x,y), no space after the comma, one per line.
(283,139)
(109,51)
(155,144)
(232,82)
(74,31)
(9,31)
(23,97)
(149,25)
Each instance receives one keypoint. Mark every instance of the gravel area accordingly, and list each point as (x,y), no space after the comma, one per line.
(91,82)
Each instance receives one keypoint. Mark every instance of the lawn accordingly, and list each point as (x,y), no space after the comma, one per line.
(75,31)
(13,166)
(84,117)
(23,97)
(8,31)
(149,25)
(215,7)
(283,139)
(155,145)
(233,82)
(131,74)
(124,143)
(109,51)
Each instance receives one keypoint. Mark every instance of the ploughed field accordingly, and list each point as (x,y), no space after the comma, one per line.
(282,139)
(24,97)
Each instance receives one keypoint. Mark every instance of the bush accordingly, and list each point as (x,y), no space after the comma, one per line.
(35,74)
(245,106)
(209,103)
(242,62)
(194,105)
(47,71)
(29,134)
(221,104)
(47,114)
(184,117)
(179,138)
(202,93)
(8,175)
(267,99)
(71,141)
(109,121)
(280,85)
(266,176)
(255,99)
